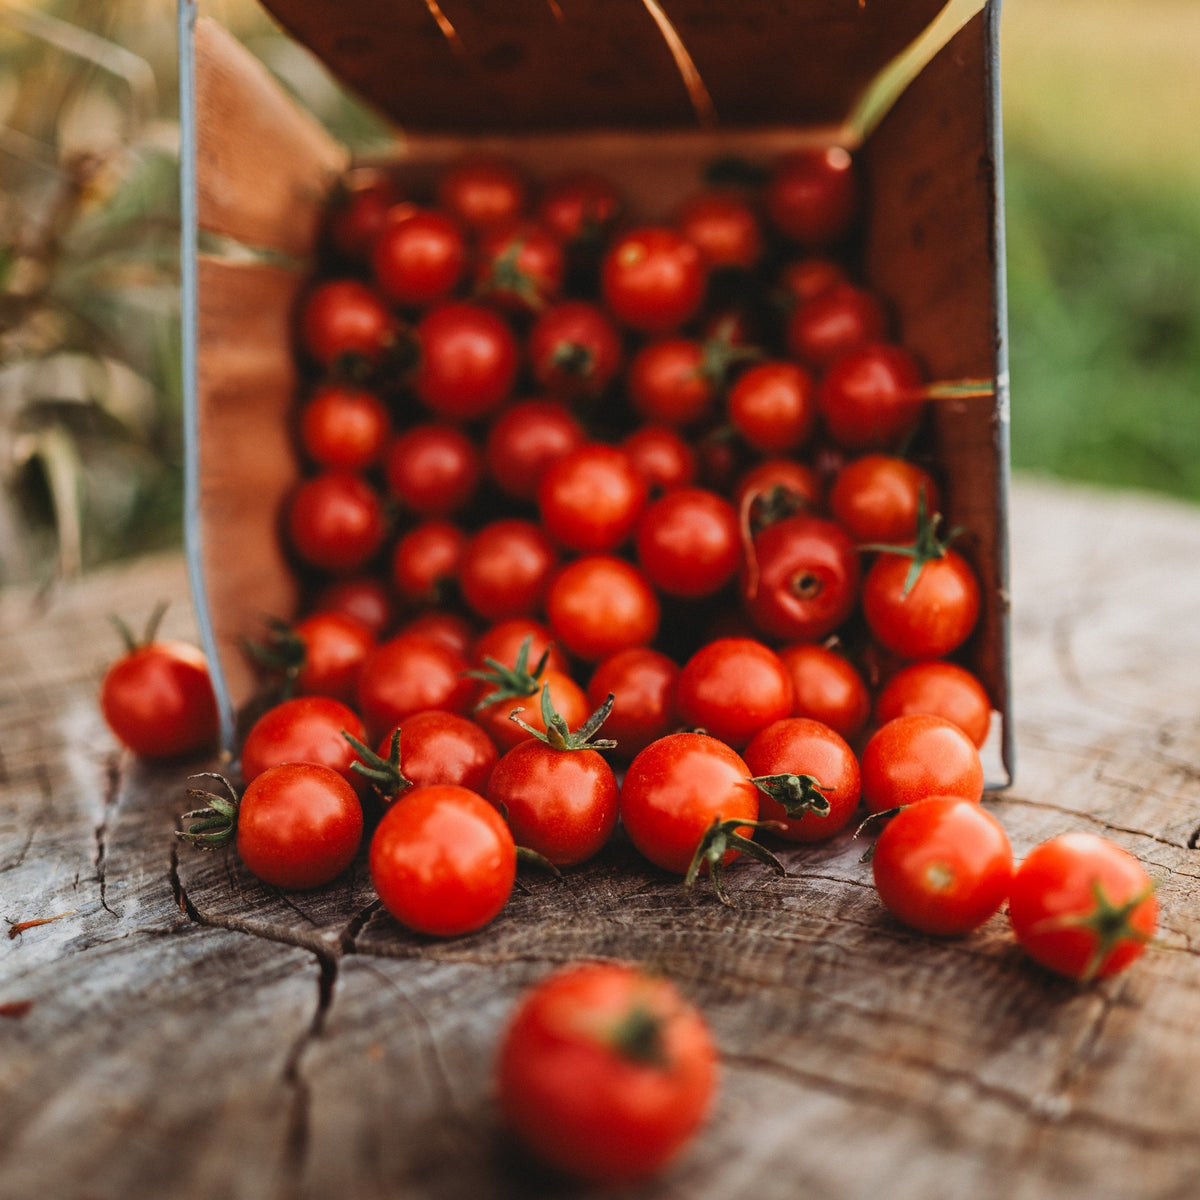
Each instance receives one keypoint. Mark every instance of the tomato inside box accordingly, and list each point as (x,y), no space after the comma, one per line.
(650,95)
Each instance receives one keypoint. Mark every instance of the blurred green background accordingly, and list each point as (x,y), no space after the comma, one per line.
(1103,222)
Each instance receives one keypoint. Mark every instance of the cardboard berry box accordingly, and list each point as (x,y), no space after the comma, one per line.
(649,93)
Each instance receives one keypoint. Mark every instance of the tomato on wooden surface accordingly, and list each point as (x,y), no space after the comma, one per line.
(942,689)
(525,440)
(812,195)
(912,758)
(157,698)
(335,521)
(431,747)
(808,775)
(304,729)
(642,684)
(419,256)
(1082,906)
(408,674)
(344,427)
(653,279)
(605,1072)
(574,349)
(687,542)
(943,866)
(591,498)
(433,469)
(467,360)
(443,861)
(829,688)
(505,690)
(319,655)
(599,604)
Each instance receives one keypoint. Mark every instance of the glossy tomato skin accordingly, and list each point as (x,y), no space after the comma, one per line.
(408,674)
(362,201)
(344,319)
(344,427)
(335,646)
(580,206)
(642,684)
(503,640)
(876,498)
(801,746)
(574,349)
(299,826)
(838,319)
(773,406)
(799,483)
(520,267)
(912,758)
(653,279)
(433,469)
(733,687)
(483,191)
(588,1105)
(560,803)
(506,569)
(942,689)
(525,440)
(943,866)
(599,604)
(419,256)
(443,747)
(158,700)
(362,597)
(443,861)
(668,383)
(468,360)
(1065,883)
(447,629)
(828,688)
(306,729)
(812,195)
(335,521)
(426,559)
(723,227)
(871,396)
(675,789)
(662,457)
(803,278)
(590,499)
(807,578)
(494,716)
(687,542)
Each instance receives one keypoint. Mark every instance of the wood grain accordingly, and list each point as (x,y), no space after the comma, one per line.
(193,1033)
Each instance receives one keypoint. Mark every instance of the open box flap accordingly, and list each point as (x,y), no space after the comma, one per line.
(511,66)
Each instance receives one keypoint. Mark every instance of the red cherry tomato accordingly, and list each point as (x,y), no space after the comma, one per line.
(598,605)
(838,319)
(447,629)
(525,440)
(344,319)
(723,227)
(483,191)
(661,457)
(642,684)
(299,825)
(520,266)
(653,279)
(419,256)
(812,195)
(344,427)
(335,521)
(912,758)
(409,674)
(1082,906)
(804,278)
(605,1072)
(871,396)
(828,688)
(426,559)
(941,689)
(333,647)
(506,568)
(773,406)
(361,203)
(580,206)
(468,360)
(798,746)
(943,866)
(433,469)
(443,861)
(363,597)
(590,499)
(687,542)
(775,488)
(668,382)
(158,700)
(503,642)
(443,747)
(306,729)
(574,349)
(495,707)
(875,498)
(732,688)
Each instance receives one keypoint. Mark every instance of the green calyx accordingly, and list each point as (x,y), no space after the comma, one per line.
(283,651)
(216,823)
(720,354)
(131,641)
(1108,923)
(721,837)
(558,734)
(384,774)
(798,794)
(925,547)
(506,275)
(517,682)
(638,1037)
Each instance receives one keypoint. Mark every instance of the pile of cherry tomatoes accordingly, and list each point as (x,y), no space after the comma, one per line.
(585,494)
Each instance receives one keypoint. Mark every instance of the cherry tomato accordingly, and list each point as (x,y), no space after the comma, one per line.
(580,206)
(157,698)
(496,705)
(447,629)
(443,861)
(408,674)
(871,396)
(362,597)
(443,747)
(344,427)
(305,729)
(468,360)
(506,568)
(687,542)
(574,349)
(520,266)
(503,642)
(828,688)
(798,750)
(812,195)
(590,499)
(941,689)
(426,559)
(723,227)
(943,866)
(642,684)
(299,825)
(661,457)
(1082,906)
(669,383)
(807,579)
(876,498)
(598,605)
(773,406)
(803,278)
(653,279)
(361,203)
(335,521)
(525,440)
(605,1072)
(332,649)
(433,469)
(483,191)
(732,688)
(419,256)
(344,319)
(775,488)
(912,758)
(838,319)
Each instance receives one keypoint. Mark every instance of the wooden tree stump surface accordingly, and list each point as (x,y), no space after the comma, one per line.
(180,1030)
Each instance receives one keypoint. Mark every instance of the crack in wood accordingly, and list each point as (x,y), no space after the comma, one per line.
(109,804)
(1092,818)
(42,778)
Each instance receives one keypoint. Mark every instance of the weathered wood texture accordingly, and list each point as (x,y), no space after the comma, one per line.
(191,1033)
